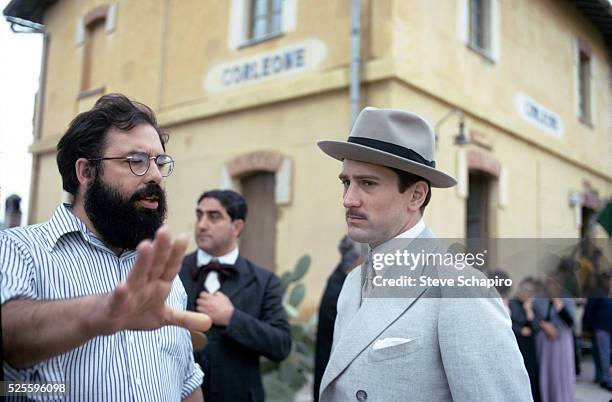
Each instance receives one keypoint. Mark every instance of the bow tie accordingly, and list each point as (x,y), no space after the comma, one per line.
(224,270)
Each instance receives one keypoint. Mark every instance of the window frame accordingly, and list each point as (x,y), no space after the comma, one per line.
(490,16)
(272,18)
(584,77)
(241,27)
(86,73)
(101,17)
(479,23)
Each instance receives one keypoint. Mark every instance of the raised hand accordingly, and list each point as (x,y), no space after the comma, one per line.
(140,302)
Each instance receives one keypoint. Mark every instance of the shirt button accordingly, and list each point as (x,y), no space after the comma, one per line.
(361,395)
(137,381)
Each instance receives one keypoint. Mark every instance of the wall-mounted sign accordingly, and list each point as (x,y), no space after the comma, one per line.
(282,62)
(538,115)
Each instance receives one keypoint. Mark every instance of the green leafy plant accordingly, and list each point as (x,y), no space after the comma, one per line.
(283,380)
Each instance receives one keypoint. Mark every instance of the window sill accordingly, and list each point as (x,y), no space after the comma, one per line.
(90,92)
(252,42)
(484,53)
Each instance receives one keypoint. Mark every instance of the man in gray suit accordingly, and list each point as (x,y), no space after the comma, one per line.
(431,342)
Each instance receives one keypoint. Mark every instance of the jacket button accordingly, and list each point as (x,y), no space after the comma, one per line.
(361,395)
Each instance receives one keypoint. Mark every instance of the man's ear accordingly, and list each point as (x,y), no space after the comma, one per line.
(418,195)
(84,171)
(238,226)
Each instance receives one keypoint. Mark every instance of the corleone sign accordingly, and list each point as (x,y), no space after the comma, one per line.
(282,62)
(538,115)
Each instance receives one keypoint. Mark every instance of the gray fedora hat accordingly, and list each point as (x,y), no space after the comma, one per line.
(392,138)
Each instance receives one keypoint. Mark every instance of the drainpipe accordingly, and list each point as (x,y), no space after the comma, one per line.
(355,83)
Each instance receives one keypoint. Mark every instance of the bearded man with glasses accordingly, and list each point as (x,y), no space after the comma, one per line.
(90,299)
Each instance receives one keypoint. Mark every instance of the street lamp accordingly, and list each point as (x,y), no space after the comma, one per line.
(460,138)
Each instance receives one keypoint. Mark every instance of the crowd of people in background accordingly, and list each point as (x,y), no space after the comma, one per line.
(551,335)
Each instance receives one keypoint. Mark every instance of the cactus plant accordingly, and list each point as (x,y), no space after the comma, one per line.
(283,380)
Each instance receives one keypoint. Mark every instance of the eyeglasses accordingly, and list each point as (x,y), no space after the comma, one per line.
(140,162)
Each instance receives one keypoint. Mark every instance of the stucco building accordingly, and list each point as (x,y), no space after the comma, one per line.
(246,88)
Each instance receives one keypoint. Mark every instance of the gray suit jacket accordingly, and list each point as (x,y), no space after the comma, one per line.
(453,349)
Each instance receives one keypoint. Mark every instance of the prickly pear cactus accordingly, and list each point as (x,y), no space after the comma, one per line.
(283,380)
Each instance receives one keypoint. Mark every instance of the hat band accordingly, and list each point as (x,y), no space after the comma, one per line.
(396,150)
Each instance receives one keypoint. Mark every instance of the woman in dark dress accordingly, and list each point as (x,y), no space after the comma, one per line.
(525,327)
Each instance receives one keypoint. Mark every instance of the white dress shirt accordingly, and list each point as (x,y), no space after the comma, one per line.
(61,259)
(413,232)
(212,283)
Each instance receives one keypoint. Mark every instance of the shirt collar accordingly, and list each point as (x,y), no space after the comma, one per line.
(203,258)
(410,234)
(64,222)
(413,232)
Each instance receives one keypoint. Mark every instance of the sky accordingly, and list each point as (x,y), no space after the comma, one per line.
(19,73)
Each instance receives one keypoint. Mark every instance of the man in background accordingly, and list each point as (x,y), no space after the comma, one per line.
(597,320)
(243,300)
(350,258)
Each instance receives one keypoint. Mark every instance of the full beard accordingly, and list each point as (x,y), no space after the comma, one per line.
(119,221)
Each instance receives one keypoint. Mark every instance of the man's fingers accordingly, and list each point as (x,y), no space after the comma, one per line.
(219,294)
(161,251)
(203,302)
(140,271)
(202,309)
(189,319)
(173,263)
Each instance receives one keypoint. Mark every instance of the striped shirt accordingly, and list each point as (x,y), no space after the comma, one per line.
(62,259)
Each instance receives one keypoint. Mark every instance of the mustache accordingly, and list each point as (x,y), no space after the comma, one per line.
(150,190)
(355,213)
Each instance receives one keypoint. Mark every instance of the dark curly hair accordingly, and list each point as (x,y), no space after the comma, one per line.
(86,135)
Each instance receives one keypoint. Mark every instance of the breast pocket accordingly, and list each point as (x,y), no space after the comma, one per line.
(409,345)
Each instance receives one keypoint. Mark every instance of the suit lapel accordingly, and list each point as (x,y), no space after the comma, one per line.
(192,287)
(244,275)
(365,323)
(363,329)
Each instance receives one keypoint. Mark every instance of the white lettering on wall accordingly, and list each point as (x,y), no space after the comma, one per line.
(539,116)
